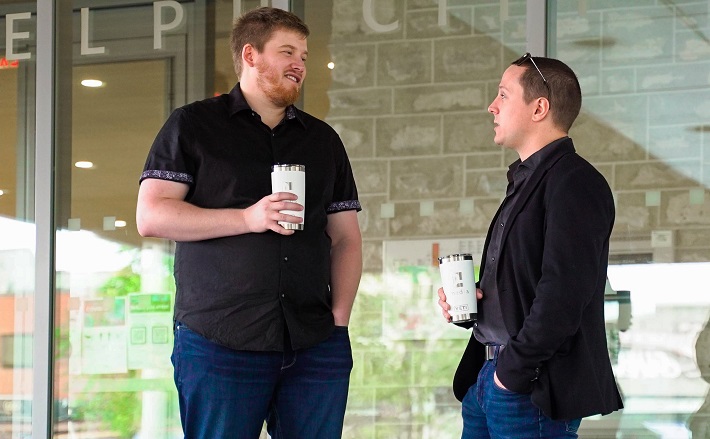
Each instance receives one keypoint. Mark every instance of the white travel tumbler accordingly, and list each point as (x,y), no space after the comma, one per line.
(290,178)
(459,285)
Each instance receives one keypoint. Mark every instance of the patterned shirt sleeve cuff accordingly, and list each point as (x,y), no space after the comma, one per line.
(179,177)
(341,206)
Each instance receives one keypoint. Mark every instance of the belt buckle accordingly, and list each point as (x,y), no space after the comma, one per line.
(490,352)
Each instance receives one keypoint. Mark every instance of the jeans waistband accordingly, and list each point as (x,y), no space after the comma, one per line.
(493,350)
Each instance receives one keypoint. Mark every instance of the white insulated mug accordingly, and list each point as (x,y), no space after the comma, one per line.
(290,178)
(459,286)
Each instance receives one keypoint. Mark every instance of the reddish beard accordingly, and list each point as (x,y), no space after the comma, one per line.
(270,82)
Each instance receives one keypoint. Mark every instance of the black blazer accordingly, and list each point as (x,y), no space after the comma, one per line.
(551,277)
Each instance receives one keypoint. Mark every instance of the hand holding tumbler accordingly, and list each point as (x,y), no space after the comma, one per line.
(290,178)
(459,286)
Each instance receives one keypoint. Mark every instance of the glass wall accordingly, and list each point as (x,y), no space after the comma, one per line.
(122,75)
(17,229)
(406,85)
(644,75)
(408,94)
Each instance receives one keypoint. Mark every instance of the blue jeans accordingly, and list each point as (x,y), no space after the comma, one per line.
(225,393)
(492,412)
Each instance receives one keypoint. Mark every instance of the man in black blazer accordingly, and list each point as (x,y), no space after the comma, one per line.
(537,360)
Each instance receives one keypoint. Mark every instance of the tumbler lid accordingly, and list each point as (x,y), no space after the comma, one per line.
(456,257)
(288,167)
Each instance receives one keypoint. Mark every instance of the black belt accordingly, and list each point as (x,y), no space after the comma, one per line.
(492,351)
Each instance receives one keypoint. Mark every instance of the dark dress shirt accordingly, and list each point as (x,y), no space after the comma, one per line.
(489,328)
(247,291)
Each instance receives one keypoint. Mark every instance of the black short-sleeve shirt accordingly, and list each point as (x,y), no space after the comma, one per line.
(241,290)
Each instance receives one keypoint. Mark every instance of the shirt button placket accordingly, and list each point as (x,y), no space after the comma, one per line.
(285,259)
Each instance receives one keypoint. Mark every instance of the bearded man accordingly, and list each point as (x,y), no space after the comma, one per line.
(261,310)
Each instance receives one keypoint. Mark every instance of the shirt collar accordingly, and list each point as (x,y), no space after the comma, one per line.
(237,103)
(539,156)
(527,166)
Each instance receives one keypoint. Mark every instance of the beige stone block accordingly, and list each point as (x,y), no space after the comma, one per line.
(372,256)
(439,98)
(356,134)
(456,61)
(487,18)
(493,160)
(354,65)
(426,24)
(404,63)
(632,214)
(655,175)
(422,4)
(679,211)
(597,141)
(693,237)
(469,132)
(426,178)
(446,220)
(486,183)
(349,23)
(693,255)
(370,175)
(408,136)
(372,225)
(367,102)
(608,172)
(509,156)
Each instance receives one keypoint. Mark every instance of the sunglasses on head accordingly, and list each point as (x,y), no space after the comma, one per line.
(526,57)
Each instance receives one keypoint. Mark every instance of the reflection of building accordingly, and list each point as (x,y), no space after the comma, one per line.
(699,422)
(617,313)
(16,360)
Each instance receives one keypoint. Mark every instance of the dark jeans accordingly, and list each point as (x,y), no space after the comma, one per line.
(226,393)
(492,412)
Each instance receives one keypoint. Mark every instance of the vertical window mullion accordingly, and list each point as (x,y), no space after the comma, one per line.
(536,27)
(44,222)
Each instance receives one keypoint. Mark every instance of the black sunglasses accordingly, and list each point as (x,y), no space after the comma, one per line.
(526,57)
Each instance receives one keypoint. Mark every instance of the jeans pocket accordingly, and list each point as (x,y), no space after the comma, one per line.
(176,354)
(498,388)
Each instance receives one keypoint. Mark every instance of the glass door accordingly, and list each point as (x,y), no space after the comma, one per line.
(17,228)
(114,290)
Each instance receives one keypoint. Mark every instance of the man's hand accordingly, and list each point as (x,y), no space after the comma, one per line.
(445,307)
(266,213)
(497,381)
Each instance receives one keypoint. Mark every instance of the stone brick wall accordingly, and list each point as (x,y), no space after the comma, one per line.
(644,73)
(410,104)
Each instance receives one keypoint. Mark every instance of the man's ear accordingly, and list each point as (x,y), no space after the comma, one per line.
(248,52)
(542,109)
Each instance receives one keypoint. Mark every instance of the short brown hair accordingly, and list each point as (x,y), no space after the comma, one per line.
(256,27)
(562,90)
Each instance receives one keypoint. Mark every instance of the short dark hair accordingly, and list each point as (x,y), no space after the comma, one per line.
(562,90)
(256,27)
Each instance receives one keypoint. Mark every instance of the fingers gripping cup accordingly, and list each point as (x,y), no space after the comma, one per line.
(290,178)
(459,286)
